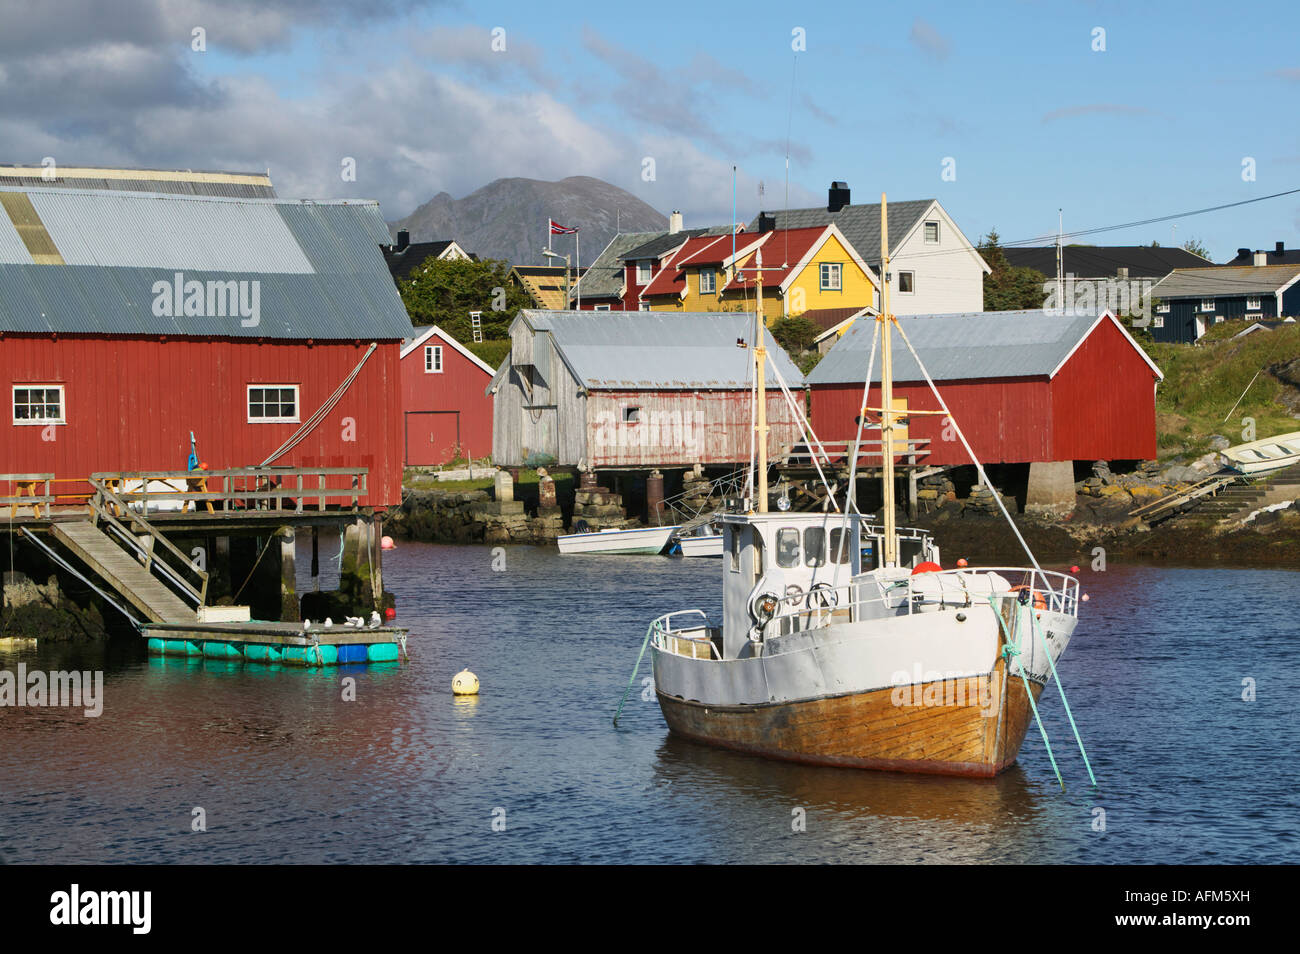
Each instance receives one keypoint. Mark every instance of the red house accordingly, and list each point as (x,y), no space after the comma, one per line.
(1024,386)
(446,412)
(268,328)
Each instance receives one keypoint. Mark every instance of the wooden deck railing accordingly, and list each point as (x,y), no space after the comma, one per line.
(295,489)
(913,452)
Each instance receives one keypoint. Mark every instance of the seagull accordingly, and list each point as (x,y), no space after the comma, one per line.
(306,625)
(375,621)
(328,622)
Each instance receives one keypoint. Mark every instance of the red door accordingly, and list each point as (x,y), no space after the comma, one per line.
(432,437)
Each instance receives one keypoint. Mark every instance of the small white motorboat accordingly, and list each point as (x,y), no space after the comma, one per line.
(1262,456)
(642,540)
(701,545)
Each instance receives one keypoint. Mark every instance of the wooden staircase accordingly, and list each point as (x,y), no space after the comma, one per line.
(123,571)
(1238,501)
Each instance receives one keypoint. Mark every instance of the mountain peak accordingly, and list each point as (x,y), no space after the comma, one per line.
(507,217)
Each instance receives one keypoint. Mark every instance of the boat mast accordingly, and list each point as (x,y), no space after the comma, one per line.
(886,395)
(760,369)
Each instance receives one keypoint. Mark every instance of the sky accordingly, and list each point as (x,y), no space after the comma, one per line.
(1006,112)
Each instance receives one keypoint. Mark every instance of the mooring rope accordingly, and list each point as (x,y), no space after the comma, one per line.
(632,679)
(1010,651)
(1033,623)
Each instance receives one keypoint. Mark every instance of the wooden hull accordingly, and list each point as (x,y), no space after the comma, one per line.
(971,726)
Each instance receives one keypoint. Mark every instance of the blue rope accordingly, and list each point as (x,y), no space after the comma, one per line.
(1061,689)
(1011,651)
(632,679)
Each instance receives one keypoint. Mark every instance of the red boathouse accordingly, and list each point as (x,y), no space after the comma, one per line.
(446,412)
(268,328)
(1025,387)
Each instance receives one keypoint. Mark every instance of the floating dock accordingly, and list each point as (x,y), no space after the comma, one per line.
(283,643)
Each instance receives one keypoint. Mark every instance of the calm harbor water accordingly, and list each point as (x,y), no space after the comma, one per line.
(286,771)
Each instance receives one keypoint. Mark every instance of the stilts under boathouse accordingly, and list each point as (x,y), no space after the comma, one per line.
(197,380)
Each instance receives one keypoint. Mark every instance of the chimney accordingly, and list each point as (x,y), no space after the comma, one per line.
(766,223)
(674,222)
(1122,273)
(1279,249)
(403,239)
(838,196)
(1243,253)
(1261,258)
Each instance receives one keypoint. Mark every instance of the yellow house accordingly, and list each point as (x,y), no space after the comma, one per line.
(805,271)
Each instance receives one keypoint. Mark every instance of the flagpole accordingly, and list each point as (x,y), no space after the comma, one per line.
(577,251)
(548,233)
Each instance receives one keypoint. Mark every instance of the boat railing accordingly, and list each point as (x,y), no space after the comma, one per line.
(668,637)
(825,603)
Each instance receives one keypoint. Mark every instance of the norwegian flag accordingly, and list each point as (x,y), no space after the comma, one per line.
(558,229)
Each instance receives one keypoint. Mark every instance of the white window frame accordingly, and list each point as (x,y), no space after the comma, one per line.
(900,282)
(926,228)
(644,272)
(1158,321)
(600,307)
(632,414)
(38,421)
(433,359)
(1162,309)
(1255,317)
(710,287)
(1218,319)
(824,270)
(297,403)
(1252,304)
(644,306)
(1207,304)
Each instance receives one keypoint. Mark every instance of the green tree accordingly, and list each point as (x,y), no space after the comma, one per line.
(443,292)
(1197,247)
(795,334)
(1007,287)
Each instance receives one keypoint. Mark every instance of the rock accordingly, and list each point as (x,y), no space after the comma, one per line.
(1219,442)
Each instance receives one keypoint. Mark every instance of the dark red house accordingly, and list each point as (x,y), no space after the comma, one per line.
(1025,387)
(130,319)
(446,412)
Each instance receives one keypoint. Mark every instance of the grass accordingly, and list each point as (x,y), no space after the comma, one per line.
(1202,383)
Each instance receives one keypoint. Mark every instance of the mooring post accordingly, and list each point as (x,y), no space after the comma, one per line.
(654,499)
(289,610)
(315,558)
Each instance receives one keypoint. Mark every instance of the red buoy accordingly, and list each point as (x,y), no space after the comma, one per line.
(390,612)
(962,562)
(1074,569)
(927,567)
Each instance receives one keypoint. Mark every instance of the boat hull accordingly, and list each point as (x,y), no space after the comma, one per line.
(709,545)
(643,542)
(971,726)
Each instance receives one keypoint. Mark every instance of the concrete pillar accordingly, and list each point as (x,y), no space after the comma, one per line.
(504,486)
(654,499)
(289,611)
(315,558)
(357,568)
(1051,488)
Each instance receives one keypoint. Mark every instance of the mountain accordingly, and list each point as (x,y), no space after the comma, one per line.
(507,218)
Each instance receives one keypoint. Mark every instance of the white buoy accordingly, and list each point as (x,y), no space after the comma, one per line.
(464,683)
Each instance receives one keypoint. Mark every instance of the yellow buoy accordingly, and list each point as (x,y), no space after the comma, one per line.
(465,683)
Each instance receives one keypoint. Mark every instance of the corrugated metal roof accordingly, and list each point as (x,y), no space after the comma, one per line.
(245,185)
(659,350)
(604,279)
(991,344)
(319,268)
(1225,280)
(12,247)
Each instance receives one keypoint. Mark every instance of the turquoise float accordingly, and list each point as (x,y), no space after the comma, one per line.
(215,649)
(323,655)
(382,652)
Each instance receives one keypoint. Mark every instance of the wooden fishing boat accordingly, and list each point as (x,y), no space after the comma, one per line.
(1263,456)
(701,545)
(643,540)
(844,643)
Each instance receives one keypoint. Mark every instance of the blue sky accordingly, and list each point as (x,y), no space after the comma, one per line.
(1032,117)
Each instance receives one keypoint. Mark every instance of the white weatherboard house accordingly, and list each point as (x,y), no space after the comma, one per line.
(934,267)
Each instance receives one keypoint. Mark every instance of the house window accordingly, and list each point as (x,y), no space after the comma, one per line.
(1207,304)
(433,359)
(1218,318)
(1252,304)
(272,403)
(643,273)
(38,404)
(906,283)
(631,415)
(1256,317)
(931,233)
(1162,309)
(600,308)
(831,278)
(1158,321)
(644,306)
(708,281)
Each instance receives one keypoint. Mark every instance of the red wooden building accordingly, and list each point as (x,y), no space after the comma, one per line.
(130,319)
(1025,387)
(446,412)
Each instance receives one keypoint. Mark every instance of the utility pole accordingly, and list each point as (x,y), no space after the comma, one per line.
(886,395)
